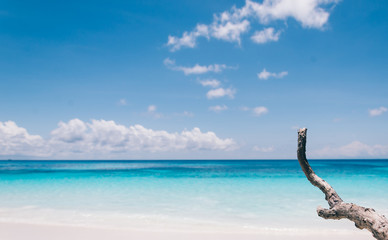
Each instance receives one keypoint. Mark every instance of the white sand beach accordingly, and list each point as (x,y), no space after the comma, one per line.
(21,231)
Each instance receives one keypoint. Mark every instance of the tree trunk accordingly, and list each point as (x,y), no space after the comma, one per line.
(361,216)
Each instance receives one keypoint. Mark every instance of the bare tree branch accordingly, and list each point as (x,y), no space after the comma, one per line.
(362,217)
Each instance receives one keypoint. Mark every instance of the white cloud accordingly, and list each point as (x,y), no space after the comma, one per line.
(102,138)
(196,69)
(210,83)
(266,35)
(310,13)
(258,111)
(188,39)
(230,31)
(107,136)
(70,132)
(122,102)
(218,108)
(221,92)
(230,25)
(377,111)
(15,140)
(152,112)
(169,62)
(263,149)
(217,92)
(200,69)
(354,149)
(264,75)
(151,108)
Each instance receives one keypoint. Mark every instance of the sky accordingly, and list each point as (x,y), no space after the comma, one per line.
(193,79)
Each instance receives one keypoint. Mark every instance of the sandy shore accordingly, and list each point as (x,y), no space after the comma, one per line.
(21,231)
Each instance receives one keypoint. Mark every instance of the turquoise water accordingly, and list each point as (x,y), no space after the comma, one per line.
(239,193)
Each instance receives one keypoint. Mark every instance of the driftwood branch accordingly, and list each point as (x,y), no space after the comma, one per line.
(362,217)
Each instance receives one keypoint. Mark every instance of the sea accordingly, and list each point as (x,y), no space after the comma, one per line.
(208,195)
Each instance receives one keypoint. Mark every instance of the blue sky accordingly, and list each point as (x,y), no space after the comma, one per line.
(193,79)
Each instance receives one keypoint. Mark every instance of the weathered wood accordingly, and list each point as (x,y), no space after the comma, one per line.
(362,217)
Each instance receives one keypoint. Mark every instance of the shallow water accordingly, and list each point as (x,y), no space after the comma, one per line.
(238,194)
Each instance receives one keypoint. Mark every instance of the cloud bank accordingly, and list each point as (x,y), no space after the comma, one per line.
(102,138)
(15,140)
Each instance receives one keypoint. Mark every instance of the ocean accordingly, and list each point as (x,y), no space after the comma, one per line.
(224,195)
